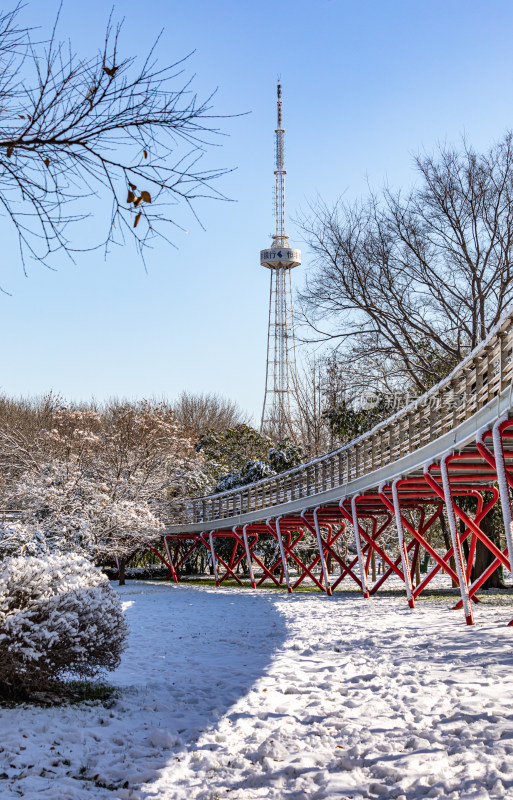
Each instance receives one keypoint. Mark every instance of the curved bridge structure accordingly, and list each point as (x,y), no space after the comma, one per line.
(408,473)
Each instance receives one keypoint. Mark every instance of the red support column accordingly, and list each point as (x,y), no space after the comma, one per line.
(161,558)
(329,590)
(356,529)
(170,560)
(248,555)
(328,549)
(277,532)
(402,544)
(504,478)
(458,554)
(213,556)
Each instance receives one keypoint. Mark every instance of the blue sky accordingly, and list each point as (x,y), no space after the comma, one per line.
(366,84)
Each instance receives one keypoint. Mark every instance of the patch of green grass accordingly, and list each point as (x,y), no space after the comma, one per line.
(493,596)
(80,691)
(245,585)
(63,692)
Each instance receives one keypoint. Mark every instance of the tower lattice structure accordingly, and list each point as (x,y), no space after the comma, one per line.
(280,259)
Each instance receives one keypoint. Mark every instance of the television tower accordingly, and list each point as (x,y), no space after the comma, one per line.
(280,259)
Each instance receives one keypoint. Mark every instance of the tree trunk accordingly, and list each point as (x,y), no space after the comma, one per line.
(483,556)
(373,565)
(122,565)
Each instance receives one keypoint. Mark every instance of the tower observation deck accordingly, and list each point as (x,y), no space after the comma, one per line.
(280,258)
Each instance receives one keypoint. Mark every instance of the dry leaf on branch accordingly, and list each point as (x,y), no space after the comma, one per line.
(136,221)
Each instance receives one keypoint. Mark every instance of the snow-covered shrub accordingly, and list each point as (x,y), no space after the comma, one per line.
(251,472)
(58,615)
(97,483)
(285,455)
(242,455)
(17,538)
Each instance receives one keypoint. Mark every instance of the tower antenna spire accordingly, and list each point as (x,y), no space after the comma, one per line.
(280,259)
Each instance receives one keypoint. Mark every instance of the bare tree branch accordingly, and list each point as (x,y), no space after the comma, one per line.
(76,131)
(409,284)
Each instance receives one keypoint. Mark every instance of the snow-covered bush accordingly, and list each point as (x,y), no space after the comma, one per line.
(251,472)
(66,506)
(97,483)
(58,615)
(285,455)
(242,455)
(17,538)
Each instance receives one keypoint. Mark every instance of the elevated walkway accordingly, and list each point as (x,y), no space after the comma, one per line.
(404,476)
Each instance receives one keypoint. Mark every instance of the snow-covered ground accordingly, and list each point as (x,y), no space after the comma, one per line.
(257,694)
